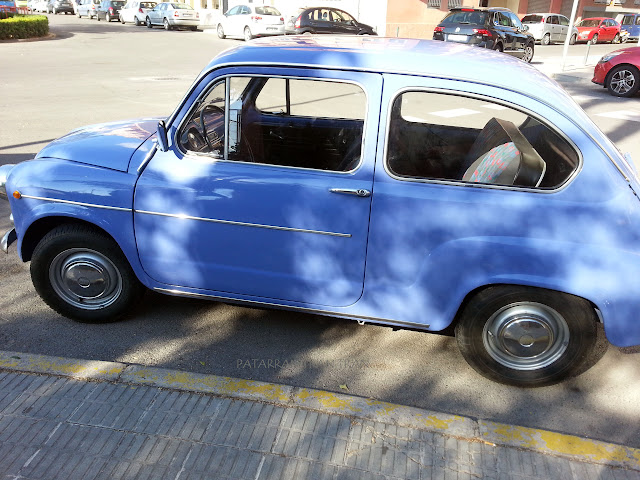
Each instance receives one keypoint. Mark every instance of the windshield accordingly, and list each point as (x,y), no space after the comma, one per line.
(589,22)
(474,17)
(532,19)
(181,6)
(267,11)
(627,20)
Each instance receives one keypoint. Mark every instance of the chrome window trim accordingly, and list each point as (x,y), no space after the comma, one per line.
(461,183)
(243,224)
(227,79)
(382,71)
(81,204)
(362,318)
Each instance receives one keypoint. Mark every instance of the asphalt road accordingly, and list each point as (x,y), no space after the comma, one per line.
(96,72)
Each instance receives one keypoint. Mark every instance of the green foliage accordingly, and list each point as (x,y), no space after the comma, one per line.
(24,26)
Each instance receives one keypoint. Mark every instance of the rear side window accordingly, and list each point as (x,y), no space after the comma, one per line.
(453,138)
(267,11)
(564,21)
(532,19)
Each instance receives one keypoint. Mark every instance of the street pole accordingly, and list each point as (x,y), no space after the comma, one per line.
(574,9)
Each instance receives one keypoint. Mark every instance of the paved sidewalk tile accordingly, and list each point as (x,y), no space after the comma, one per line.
(63,428)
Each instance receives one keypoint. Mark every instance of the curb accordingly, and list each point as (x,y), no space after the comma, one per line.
(464,428)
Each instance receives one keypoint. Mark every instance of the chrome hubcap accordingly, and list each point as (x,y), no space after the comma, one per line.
(86,279)
(526,336)
(622,81)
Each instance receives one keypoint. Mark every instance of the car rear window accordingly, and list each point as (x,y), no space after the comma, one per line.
(267,11)
(474,17)
(117,4)
(627,20)
(147,5)
(181,6)
(532,19)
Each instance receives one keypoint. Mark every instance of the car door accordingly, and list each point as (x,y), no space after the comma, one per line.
(564,27)
(343,23)
(271,198)
(506,31)
(520,36)
(155,14)
(605,29)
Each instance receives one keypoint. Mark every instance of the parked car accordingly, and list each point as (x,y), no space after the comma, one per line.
(135,11)
(31,5)
(619,72)
(549,28)
(630,22)
(493,28)
(109,10)
(248,21)
(399,182)
(172,15)
(40,6)
(598,29)
(329,20)
(62,6)
(87,8)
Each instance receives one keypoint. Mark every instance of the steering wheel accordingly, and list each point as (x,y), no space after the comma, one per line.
(203,125)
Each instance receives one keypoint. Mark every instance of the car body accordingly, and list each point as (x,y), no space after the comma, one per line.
(40,6)
(109,10)
(61,6)
(135,11)
(172,15)
(619,72)
(549,28)
(630,22)
(248,21)
(326,20)
(384,180)
(598,29)
(7,7)
(87,8)
(493,28)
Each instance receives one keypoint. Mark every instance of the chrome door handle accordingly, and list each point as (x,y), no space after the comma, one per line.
(360,192)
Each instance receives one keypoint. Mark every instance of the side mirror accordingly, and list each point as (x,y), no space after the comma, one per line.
(525,28)
(163,141)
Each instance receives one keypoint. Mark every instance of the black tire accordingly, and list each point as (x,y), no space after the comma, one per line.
(148,23)
(616,39)
(82,274)
(107,17)
(136,22)
(528,52)
(546,40)
(573,39)
(247,34)
(555,333)
(594,40)
(498,47)
(220,31)
(98,16)
(623,81)
(166,25)
(78,14)
(194,29)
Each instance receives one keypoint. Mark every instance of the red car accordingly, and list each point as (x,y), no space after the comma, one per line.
(619,71)
(598,29)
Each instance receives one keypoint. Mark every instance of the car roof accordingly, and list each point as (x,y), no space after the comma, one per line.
(480,9)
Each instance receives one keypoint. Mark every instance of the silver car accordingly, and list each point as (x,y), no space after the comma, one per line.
(172,15)
(135,11)
(248,21)
(549,28)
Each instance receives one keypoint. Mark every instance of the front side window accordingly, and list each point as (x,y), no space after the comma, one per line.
(279,121)
(453,138)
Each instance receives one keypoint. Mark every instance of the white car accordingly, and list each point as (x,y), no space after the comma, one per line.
(247,21)
(172,15)
(549,28)
(135,11)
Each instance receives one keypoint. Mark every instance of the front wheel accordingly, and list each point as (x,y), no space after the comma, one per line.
(98,17)
(616,39)
(220,31)
(82,274)
(528,53)
(136,22)
(573,39)
(594,40)
(526,336)
(623,81)
(107,17)
(148,22)
(546,40)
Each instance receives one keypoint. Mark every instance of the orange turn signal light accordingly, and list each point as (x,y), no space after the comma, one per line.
(17,195)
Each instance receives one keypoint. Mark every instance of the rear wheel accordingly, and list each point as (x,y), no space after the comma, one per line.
(166,24)
(148,22)
(82,274)
(220,31)
(623,81)
(247,34)
(136,22)
(98,17)
(107,17)
(498,47)
(546,40)
(526,336)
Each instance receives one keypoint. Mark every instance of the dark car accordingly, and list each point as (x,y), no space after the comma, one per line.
(109,10)
(60,6)
(495,28)
(326,20)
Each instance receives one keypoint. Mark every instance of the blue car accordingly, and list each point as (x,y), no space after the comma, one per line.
(630,22)
(392,181)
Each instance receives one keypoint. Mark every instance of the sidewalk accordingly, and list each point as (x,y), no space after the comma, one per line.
(573,70)
(75,419)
